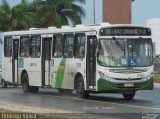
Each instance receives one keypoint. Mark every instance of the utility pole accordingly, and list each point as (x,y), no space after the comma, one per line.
(94,12)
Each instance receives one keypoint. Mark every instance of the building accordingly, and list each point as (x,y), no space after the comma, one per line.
(117,11)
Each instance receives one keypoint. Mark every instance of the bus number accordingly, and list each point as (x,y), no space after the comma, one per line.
(140,75)
(78,65)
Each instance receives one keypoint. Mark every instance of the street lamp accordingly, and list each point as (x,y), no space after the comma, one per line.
(94,12)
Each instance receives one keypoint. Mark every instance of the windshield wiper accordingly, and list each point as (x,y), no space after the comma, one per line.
(118,44)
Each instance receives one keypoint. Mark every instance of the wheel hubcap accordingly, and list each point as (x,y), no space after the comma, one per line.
(80,87)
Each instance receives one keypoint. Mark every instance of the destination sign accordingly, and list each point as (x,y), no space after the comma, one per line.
(125,31)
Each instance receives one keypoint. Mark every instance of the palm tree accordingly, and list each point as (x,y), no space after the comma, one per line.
(40,14)
(58,12)
(7,22)
(23,15)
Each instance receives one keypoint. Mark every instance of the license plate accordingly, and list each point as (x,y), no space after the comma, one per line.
(129,85)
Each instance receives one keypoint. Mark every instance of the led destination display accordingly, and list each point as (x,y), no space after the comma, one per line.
(125,31)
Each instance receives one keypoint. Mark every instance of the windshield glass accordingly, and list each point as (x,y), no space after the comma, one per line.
(125,52)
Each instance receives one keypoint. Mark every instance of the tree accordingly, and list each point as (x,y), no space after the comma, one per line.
(23,15)
(40,14)
(7,21)
(58,12)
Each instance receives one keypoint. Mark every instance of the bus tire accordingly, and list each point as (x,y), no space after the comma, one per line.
(34,89)
(81,93)
(4,84)
(15,85)
(25,83)
(129,96)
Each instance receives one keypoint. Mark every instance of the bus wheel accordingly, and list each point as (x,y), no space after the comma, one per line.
(34,89)
(80,88)
(25,83)
(4,84)
(15,85)
(129,96)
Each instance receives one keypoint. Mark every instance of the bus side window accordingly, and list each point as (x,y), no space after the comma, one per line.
(57,45)
(24,46)
(68,45)
(35,49)
(8,47)
(79,45)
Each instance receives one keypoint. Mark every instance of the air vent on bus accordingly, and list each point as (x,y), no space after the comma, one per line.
(37,29)
(65,27)
(80,25)
(105,24)
(52,27)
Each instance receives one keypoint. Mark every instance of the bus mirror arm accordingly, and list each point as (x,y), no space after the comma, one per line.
(95,43)
(97,52)
(98,45)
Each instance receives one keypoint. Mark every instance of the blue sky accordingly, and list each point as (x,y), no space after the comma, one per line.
(145,9)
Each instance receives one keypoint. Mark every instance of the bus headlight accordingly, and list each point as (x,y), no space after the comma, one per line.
(148,77)
(103,76)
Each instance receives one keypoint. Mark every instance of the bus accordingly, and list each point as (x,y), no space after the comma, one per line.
(101,58)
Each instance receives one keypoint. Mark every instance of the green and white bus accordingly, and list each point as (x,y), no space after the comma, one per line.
(100,58)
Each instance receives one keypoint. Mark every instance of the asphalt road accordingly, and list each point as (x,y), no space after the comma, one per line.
(107,105)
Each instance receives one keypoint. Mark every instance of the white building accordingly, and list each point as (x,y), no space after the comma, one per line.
(155,26)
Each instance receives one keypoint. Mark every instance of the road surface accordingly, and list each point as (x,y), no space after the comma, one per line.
(107,105)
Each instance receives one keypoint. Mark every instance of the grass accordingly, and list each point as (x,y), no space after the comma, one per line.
(157,77)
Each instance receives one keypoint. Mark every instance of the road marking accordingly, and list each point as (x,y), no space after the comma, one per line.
(129,105)
(75,98)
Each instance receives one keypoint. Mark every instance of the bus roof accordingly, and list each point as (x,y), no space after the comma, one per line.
(68,29)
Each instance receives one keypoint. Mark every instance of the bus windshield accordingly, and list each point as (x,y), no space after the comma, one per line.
(125,52)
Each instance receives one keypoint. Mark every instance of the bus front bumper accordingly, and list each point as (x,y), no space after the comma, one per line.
(104,85)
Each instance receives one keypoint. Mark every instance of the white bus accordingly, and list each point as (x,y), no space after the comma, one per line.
(101,58)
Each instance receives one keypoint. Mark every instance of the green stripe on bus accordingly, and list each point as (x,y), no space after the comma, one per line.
(104,85)
(60,74)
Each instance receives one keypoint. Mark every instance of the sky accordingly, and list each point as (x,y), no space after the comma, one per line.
(141,11)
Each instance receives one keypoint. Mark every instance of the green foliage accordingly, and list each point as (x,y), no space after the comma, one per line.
(40,13)
(7,21)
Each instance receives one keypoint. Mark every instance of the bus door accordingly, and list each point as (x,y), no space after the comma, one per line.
(91,62)
(46,56)
(15,60)
(7,60)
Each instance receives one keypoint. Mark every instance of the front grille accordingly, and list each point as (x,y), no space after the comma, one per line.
(129,79)
(127,71)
